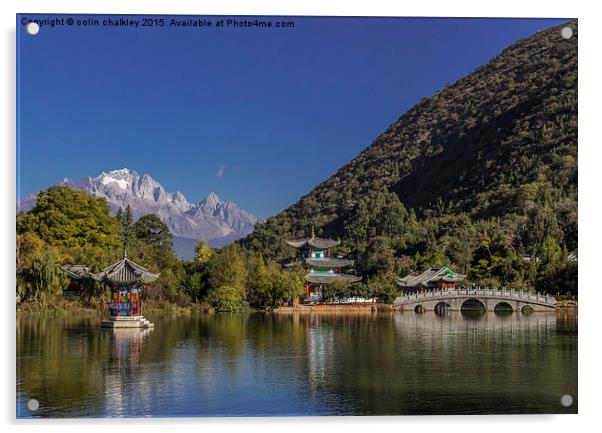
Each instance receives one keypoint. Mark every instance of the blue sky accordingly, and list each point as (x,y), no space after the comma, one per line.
(260,116)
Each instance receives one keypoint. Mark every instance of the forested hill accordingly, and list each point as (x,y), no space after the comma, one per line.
(490,159)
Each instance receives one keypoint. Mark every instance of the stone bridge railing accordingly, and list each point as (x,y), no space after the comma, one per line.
(477,292)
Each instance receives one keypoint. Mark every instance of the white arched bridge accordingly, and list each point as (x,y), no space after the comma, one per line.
(475,297)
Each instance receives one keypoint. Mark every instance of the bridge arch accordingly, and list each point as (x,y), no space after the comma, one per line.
(527,309)
(503,308)
(442,308)
(473,305)
(418,309)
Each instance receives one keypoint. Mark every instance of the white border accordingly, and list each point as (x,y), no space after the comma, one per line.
(589,207)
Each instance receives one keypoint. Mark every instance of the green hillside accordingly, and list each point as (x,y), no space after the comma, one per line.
(478,176)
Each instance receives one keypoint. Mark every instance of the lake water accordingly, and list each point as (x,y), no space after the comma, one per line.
(280,364)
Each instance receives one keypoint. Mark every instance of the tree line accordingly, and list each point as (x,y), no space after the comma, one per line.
(70,227)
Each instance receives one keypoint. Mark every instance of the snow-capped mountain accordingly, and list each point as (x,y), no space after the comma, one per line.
(216,221)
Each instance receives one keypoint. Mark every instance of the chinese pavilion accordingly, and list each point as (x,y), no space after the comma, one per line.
(433,278)
(127,280)
(323,268)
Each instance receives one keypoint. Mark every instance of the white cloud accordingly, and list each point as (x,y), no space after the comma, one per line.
(220,171)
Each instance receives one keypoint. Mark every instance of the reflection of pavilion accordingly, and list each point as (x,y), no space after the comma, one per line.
(123,364)
(320,341)
(126,345)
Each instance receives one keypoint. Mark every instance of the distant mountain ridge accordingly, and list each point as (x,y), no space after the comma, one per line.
(213,220)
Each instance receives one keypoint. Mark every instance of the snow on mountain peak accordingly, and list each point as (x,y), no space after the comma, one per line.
(107,180)
(213,220)
(212,198)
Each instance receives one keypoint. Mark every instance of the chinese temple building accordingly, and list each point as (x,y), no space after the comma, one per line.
(323,269)
(127,280)
(433,278)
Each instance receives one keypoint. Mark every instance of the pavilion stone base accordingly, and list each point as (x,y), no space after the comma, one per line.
(126,322)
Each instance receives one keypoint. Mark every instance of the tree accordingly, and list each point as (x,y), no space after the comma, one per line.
(28,245)
(152,244)
(285,285)
(357,225)
(193,280)
(66,217)
(552,267)
(202,253)
(228,268)
(227,273)
(152,231)
(226,299)
(125,220)
(378,257)
(383,286)
(259,289)
(294,285)
(42,276)
(391,214)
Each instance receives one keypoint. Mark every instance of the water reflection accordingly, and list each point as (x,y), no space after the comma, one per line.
(123,378)
(300,364)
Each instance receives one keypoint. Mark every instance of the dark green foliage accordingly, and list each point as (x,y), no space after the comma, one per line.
(152,243)
(383,287)
(41,276)
(494,153)
(193,280)
(226,299)
(152,231)
(70,218)
(66,226)
(125,220)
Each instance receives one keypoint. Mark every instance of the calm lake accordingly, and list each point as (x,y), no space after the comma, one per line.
(285,364)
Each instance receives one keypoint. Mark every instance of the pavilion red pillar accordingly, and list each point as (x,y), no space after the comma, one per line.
(138,305)
(131,305)
(118,302)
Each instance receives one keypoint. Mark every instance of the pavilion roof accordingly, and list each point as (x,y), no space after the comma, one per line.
(126,271)
(314,242)
(430,276)
(78,272)
(331,278)
(328,262)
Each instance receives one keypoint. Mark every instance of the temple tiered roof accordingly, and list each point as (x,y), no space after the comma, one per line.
(323,269)
(331,278)
(314,242)
(328,262)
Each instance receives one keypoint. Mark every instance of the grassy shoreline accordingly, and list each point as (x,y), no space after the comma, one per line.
(59,307)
